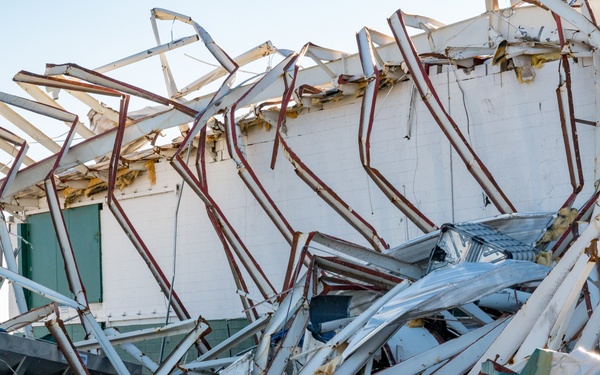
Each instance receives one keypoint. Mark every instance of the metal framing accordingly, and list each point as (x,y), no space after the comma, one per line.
(380,283)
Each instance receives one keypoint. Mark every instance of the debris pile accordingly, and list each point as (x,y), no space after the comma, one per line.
(515,293)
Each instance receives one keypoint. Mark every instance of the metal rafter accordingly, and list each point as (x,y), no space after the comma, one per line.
(450,129)
(367,116)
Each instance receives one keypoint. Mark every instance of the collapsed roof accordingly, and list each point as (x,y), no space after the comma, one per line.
(118,145)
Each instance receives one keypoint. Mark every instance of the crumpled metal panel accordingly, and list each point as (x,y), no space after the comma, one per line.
(382,297)
(443,289)
(242,366)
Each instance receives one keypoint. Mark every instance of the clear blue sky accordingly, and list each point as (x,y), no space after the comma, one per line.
(94,33)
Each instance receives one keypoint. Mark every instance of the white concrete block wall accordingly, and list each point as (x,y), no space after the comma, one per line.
(513,127)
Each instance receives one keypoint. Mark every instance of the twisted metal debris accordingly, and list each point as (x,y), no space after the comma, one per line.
(477,297)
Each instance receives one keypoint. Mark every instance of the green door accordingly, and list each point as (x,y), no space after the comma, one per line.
(41,259)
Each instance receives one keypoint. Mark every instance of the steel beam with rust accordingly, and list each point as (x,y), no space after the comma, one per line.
(73,277)
(256,273)
(111,86)
(367,116)
(588,27)
(64,343)
(417,73)
(123,220)
(114,206)
(16,141)
(221,99)
(22,123)
(356,271)
(5,242)
(407,270)
(307,175)
(568,124)
(38,94)
(30,316)
(245,171)
(238,277)
(72,272)
(96,78)
(175,356)
(103,81)
(89,323)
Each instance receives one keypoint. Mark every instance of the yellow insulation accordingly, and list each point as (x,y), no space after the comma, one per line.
(151,171)
(564,219)
(71,194)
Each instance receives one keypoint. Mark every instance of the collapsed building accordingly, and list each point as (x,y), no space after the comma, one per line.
(427,205)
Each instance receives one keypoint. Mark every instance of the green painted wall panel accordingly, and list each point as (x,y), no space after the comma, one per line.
(83,224)
(40,256)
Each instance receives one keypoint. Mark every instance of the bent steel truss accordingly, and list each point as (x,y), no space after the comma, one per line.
(506,87)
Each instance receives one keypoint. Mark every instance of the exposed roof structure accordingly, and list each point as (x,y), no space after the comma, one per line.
(482,295)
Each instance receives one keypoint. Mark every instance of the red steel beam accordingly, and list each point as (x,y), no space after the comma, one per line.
(218,101)
(112,201)
(568,124)
(129,229)
(367,114)
(244,168)
(72,272)
(309,177)
(76,286)
(65,345)
(450,129)
(238,277)
(223,224)
(23,147)
(100,80)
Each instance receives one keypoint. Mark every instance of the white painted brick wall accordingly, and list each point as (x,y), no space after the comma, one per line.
(513,127)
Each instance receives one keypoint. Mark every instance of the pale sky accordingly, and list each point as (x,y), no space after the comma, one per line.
(92,34)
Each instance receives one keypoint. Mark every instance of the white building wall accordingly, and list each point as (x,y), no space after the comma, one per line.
(514,128)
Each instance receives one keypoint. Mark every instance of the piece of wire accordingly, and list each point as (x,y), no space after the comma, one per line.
(455,35)
(464,100)
(374,117)
(175,223)
(219,66)
(416,163)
